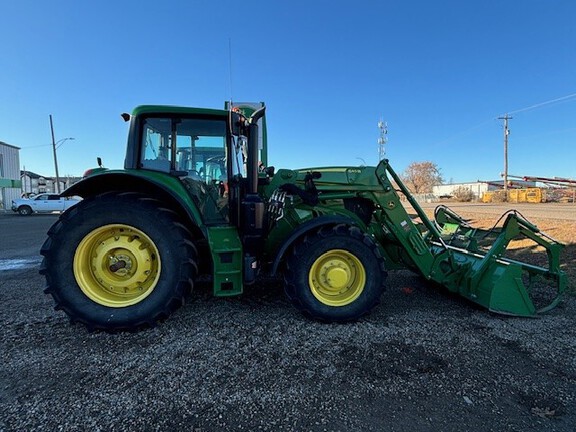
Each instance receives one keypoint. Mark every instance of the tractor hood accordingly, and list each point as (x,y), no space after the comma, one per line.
(364,175)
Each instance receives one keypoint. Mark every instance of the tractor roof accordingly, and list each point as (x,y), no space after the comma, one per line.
(168,109)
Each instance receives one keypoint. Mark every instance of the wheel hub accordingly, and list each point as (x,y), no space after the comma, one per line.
(117,265)
(337,278)
(120,264)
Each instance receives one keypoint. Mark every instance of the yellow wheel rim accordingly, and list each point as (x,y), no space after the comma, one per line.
(117,265)
(337,278)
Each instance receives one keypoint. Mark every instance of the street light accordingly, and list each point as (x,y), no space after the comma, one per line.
(61,141)
(55,145)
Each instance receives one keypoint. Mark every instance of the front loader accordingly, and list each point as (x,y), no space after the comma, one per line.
(196,196)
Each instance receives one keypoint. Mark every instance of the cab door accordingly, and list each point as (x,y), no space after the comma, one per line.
(194,149)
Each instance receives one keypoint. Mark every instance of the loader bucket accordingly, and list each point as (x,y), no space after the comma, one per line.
(485,266)
(492,276)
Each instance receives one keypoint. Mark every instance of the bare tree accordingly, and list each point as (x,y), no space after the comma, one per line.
(420,177)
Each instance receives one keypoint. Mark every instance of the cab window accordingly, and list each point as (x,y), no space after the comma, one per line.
(195,150)
(196,146)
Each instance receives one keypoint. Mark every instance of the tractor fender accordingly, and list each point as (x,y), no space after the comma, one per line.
(306,227)
(120,181)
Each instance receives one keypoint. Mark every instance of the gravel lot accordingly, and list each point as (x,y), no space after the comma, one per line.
(424,360)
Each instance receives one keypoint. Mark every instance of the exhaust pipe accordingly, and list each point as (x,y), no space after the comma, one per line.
(253,151)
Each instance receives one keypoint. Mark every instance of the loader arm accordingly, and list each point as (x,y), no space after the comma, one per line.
(446,251)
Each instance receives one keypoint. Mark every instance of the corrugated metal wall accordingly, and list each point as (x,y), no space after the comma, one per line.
(11,161)
(9,174)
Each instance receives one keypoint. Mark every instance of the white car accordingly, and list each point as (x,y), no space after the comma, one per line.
(43,203)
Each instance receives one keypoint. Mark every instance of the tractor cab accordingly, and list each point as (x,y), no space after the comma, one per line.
(208,150)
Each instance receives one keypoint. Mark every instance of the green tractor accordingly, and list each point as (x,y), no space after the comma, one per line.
(196,196)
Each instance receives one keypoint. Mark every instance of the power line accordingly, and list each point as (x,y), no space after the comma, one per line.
(35,146)
(460,134)
(538,105)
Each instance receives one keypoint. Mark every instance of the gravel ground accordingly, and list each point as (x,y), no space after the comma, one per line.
(424,360)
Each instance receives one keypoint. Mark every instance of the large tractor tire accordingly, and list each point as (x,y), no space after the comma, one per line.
(335,274)
(119,262)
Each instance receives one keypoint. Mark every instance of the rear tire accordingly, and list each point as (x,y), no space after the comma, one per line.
(335,274)
(119,262)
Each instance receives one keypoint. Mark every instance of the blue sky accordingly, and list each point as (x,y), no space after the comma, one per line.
(438,72)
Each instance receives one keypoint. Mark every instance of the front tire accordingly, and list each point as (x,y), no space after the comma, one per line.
(119,262)
(25,210)
(335,274)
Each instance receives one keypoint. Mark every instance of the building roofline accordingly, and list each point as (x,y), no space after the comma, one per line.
(9,145)
(32,174)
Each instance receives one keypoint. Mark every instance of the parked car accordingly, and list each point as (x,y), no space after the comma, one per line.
(43,203)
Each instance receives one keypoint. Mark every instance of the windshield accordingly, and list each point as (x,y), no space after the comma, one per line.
(199,147)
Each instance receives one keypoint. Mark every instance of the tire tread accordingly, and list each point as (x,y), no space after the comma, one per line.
(308,240)
(188,267)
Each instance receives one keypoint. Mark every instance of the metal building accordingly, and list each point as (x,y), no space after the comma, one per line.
(447,190)
(10,183)
(478,188)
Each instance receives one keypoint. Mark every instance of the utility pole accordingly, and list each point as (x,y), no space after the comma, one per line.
(506,133)
(24,178)
(55,159)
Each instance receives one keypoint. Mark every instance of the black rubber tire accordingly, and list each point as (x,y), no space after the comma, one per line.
(24,210)
(305,253)
(174,242)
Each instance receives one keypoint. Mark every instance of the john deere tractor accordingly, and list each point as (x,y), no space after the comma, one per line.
(196,196)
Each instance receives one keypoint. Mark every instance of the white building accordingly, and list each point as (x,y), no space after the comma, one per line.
(447,190)
(9,174)
(478,188)
(34,184)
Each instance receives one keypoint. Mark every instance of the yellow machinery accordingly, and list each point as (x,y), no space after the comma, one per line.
(528,195)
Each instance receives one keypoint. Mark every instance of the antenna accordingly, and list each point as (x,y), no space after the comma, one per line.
(382,140)
(230,67)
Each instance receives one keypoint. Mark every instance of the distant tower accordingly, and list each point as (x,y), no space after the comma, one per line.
(383,126)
